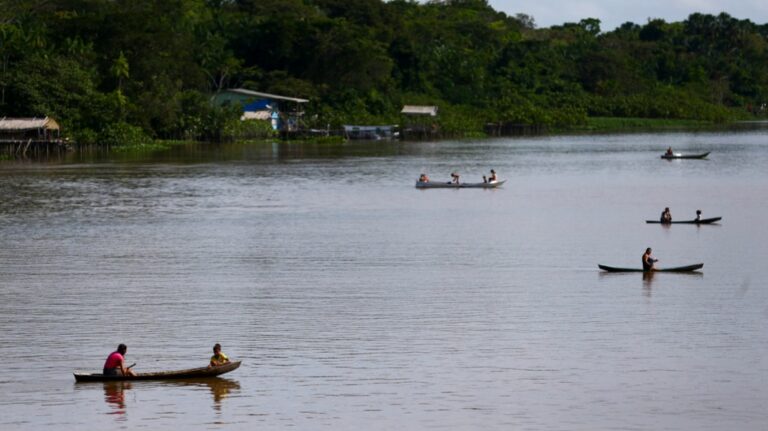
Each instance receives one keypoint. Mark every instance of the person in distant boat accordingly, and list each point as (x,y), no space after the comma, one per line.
(698,215)
(669,151)
(454,178)
(423,178)
(490,179)
(666,216)
(218,357)
(115,363)
(648,260)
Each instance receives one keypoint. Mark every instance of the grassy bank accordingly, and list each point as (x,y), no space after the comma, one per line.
(618,124)
(592,124)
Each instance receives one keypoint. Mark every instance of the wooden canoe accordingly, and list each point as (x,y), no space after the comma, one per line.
(684,156)
(702,221)
(439,185)
(688,268)
(192,373)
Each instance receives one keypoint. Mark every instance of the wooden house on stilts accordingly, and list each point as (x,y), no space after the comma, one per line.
(22,136)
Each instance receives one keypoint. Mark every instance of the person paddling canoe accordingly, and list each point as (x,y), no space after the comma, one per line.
(648,260)
(666,216)
(218,357)
(115,363)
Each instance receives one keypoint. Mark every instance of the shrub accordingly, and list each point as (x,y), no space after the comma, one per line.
(123,134)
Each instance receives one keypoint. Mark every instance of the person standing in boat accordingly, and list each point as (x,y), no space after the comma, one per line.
(454,178)
(218,358)
(115,363)
(666,216)
(648,260)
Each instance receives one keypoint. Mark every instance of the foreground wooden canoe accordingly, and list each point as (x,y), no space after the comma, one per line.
(702,221)
(439,185)
(191,373)
(684,156)
(689,268)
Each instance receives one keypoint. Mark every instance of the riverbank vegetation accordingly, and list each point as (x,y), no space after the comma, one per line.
(128,71)
(612,124)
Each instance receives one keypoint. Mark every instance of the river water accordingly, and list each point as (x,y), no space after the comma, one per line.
(356,301)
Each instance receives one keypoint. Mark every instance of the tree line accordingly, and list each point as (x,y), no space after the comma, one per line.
(147,68)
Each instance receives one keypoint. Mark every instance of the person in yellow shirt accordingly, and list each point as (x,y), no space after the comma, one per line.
(218,357)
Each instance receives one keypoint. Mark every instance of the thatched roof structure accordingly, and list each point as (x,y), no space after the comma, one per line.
(419,110)
(27,124)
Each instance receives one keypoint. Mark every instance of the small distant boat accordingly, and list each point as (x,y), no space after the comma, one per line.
(448,185)
(684,156)
(702,221)
(192,373)
(689,268)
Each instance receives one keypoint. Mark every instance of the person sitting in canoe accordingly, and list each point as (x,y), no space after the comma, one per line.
(218,357)
(115,363)
(698,215)
(454,178)
(669,152)
(492,178)
(666,216)
(648,260)
(423,178)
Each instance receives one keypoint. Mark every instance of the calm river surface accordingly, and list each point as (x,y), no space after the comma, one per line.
(356,301)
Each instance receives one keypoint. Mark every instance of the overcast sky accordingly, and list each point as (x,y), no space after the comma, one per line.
(613,13)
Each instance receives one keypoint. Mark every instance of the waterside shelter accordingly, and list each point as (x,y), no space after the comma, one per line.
(419,122)
(284,112)
(18,136)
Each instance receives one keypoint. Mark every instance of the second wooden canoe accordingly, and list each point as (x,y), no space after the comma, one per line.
(439,185)
(689,268)
(702,221)
(684,156)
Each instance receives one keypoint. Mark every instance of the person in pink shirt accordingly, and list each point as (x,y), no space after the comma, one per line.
(115,363)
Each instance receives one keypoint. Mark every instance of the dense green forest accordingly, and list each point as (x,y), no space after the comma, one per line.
(107,69)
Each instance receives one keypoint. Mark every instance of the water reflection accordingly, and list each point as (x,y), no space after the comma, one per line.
(114,395)
(220,388)
(114,392)
(647,282)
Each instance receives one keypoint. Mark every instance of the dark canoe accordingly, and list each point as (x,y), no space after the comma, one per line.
(192,373)
(439,185)
(688,268)
(684,156)
(702,221)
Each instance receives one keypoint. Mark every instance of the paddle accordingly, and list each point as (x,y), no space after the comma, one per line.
(128,370)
